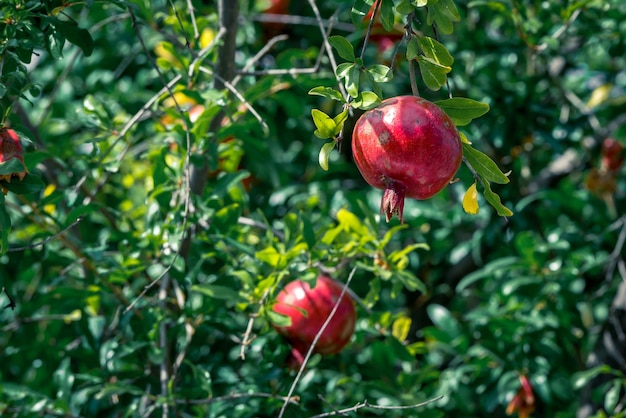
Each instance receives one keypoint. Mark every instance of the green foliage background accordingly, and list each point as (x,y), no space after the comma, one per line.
(451,304)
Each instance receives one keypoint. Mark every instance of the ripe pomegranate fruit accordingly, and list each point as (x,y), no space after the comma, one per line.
(407,146)
(10,148)
(318,303)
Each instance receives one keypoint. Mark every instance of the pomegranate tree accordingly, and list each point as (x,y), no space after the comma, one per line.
(408,147)
(11,149)
(308,310)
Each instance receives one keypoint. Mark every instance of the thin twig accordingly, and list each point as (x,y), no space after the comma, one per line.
(370,27)
(366,404)
(239,96)
(315,340)
(257,57)
(298,20)
(46,240)
(329,49)
(294,400)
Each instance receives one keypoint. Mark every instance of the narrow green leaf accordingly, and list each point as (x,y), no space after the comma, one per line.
(328,93)
(612,396)
(494,200)
(435,50)
(433,73)
(343,46)
(352,81)
(462,110)
(5,225)
(325,124)
(483,165)
(386,15)
(340,119)
(324,156)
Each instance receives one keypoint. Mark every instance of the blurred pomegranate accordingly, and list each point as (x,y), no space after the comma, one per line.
(10,149)
(308,309)
(407,146)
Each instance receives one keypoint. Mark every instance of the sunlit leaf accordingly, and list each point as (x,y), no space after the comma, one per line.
(324,155)
(325,124)
(462,110)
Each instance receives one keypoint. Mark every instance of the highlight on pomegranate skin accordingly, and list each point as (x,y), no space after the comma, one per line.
(407,147)
(308,309)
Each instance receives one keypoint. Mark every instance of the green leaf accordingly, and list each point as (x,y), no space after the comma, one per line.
(412,49)
(380,73)
(484,166)
(435,50)
(11,167)
(612,396)
(494,200)
(277,319)
(582,379)
(442,14)
(443,319)
(328,93)
(367,100)
(271,257)
(5,225)
(433,73)
(405,7)
(386,15)
(30,184)
(76,35)
(340,119)
(324,156)
(343,46)
(462,110)
(352,81)
(325,124)
(343,69)
(217,292)
(359,10)
(487,271)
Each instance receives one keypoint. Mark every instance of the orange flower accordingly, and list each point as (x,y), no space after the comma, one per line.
(524,400)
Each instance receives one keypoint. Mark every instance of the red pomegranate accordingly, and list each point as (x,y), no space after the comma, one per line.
(318,303)
(408,147)
(10,148)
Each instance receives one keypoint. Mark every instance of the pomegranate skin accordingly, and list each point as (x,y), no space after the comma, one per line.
(318,303)
(11,147)
(408,147)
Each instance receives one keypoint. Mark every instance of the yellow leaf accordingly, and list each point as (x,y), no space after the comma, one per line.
(599,95)
(470,200)
(400,328)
